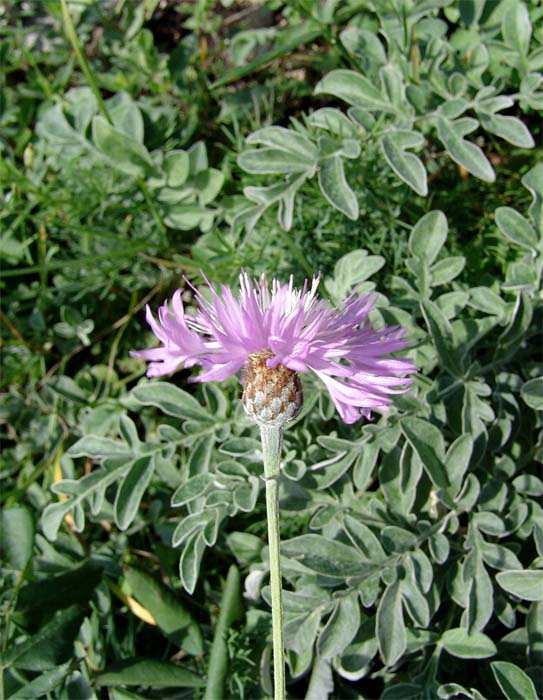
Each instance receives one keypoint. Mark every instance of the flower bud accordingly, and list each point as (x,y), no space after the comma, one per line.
(270,396)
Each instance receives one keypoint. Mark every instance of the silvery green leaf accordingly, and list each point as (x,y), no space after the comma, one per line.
(534,627)
(460,643)
(176,167)
(532,393)
(123,152)
(321,683)
(197,158)
(129,432)
(324,556)
(286,140)
(486,300)
(406,165)
(363,538)
(508,128)
(364,465)
(517,28)
(422,569)
(55,127)
(520,277)
(443,337)
(52,517)
(126,116)
(439,547)
(335,187)
(454,108)
(99,448)
(68,388)
(353,88)
(356,658)
(341,627)
(528,484)
(428,236)
(301,630)
(526,584)
(520,321)
(397,539)
(274,161)
(335,121)
(245,547)
(533,181)
(242,447)
(245,495)
(477,62)
(463,152)
(427,441)
(489,523)
(513,681)
(131,490)
(207,185)
(390,625)
(499,557)
(414,603)
(399,475)
(393,84)
(516,227)
(363,44)
(16,535)
(480,597)
(195,487)
(189,563)
(457,459)
(446,270)
(171,400)
(191,524)
(467,498)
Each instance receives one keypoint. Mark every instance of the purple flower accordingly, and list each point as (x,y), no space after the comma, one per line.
(294,329)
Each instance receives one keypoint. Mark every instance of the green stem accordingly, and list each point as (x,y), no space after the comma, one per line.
(71,33)
(271,437)
(74,41)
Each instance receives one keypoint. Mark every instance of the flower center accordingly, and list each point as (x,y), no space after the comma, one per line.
(270,396)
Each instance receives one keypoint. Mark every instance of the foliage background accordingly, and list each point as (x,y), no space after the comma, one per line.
(388,145)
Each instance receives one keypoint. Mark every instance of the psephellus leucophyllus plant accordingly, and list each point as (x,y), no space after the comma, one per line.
(274,334)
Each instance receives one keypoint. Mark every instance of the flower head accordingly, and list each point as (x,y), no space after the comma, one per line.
(287,327)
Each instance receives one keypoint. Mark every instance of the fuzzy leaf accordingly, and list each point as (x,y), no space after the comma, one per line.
(341,627)
(390,626)
(460,643)
(335,187)
(526,584)
(515,227)
(171,400)
(407,166)
(515,684)
(123,152)
(463,152)
(532,393)
(130,492)
(324,556)
(428,236)
(353,88)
